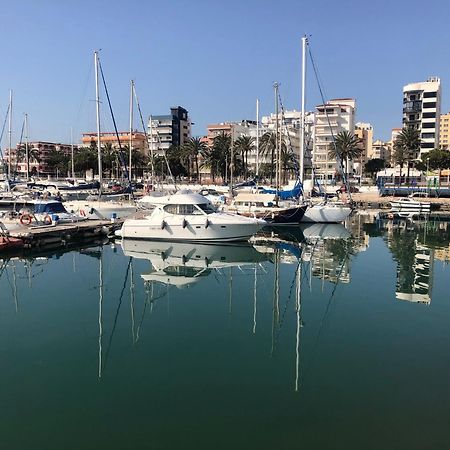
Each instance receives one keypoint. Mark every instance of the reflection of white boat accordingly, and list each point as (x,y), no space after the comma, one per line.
(330,212)
(189,216)
(181,264)
(410,206)
(316,231)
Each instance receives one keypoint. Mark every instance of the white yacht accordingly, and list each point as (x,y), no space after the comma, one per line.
(189,216)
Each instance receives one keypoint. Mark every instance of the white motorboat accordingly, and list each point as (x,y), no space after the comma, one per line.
(409,206)
(326,212)
(190,217)
(181,264)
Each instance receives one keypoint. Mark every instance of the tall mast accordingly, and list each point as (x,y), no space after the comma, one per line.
(302,122)
(275,85)
(97,102)
(231,162)
(257,137)
(27,154)
(131,124)
(151,151)
(10,135)
(71,154)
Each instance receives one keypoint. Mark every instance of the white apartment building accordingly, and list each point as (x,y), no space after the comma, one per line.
(422,109)
(330,119)
(167,130)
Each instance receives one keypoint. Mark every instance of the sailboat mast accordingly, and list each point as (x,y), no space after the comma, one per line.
(152,175)
(27,154)
(131,124)
(257,137)
(10,134)
(302,122)
(71,154)
(97,102)
(277,170)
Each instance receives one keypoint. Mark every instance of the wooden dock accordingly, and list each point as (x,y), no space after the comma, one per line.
(62,235)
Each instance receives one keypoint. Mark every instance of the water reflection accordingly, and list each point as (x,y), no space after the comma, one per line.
(182,264)
(414,247)
(312,251)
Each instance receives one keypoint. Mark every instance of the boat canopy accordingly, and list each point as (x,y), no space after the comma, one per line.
(53,207)
(295,192)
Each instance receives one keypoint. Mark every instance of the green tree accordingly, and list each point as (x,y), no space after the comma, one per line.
(436,159)
(407,146)
(243,146)
(174,156)
(193,149)
(267,146)
(58,161)
(345,148)
(374,165)
(86,158)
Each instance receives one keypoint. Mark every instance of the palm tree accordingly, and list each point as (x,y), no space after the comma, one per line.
(58,161)
(409,141)
(220,154)
(193,149)
(267,145)
(244,145)
(400,157)
(345,148)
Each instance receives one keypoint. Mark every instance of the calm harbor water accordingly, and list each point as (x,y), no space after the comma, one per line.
(321,338)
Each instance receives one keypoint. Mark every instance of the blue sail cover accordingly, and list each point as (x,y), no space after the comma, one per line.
(286,195)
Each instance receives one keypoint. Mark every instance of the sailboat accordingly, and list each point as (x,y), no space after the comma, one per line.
(324,211)
(98,208)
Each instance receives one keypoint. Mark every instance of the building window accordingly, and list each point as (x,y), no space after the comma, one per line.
(429,115)
(429,94)
(429,105)
(428,135)
(427,145)
(428,125)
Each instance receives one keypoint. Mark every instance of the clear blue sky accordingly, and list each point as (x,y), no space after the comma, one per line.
(214,58)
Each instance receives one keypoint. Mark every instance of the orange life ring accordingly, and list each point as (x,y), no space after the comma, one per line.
(82,212)
(48,220)
(25,219)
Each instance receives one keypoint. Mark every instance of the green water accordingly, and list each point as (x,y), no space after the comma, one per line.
(346,347)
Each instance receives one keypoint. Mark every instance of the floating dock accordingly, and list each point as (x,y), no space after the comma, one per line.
(62,235)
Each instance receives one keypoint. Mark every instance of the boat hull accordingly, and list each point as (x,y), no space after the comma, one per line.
(326,214)
(193,228)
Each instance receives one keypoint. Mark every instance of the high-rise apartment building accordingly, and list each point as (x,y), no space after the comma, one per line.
(170,129)
(422,109)
(330,119)
(444,131)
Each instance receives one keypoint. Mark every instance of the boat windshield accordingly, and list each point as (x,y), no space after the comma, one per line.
(207,208)
(49,208)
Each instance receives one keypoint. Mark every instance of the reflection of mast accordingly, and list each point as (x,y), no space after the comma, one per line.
(254,300)
(100,318)
(132,303)
(297,310)
(230,299)
(16,302)
(276,297)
